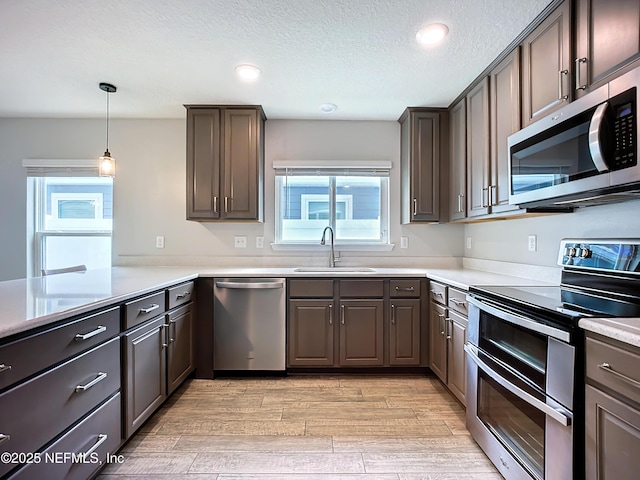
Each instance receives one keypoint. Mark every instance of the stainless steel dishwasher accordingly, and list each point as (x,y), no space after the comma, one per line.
(249,324)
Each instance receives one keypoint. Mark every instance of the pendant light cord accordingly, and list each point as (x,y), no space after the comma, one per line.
(107,121)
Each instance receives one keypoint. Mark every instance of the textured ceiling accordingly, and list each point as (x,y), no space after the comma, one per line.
(161,54)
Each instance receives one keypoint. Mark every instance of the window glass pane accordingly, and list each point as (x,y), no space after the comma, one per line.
(76,209)
(361,197)
(61,251)
(304,205)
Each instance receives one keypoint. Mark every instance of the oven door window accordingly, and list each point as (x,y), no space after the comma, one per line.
(516,424)
(522,350)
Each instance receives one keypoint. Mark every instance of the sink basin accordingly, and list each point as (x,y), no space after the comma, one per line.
(334,269)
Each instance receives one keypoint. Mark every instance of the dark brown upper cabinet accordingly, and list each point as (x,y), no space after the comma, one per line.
(547,66)
(478,150)
(420,149)
(458,161)
(225,162)
(607,40)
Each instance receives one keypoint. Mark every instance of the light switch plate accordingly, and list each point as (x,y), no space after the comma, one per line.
(404,242)
(259,242)
(533,243)
(468,243)
(240,241)
(159,242)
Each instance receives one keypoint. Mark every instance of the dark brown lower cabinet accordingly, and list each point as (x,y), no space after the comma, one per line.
(310,333)
(404,332)
(361,335)
(146,381)
(437,341)
(456,362)
(180,352)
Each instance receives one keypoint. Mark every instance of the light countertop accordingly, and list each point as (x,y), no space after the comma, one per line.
(625,330)
(34,302)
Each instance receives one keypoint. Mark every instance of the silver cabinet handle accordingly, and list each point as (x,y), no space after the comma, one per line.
(226,204)
(163,335)
(492,195)
(436,293)
(330,314)
(4,367)
(342,314)
(154,306)
(449,327)
(579,85)
(561,97)
(393,314)
(101,376)
(460,197)
(4,438)
(83,336)
(215,204)
(558,414)
(172,339)
(415,207)
(440,324)
(608,368)
(405,289)
(182,295)
(101,439)
(482,196)
(460,303)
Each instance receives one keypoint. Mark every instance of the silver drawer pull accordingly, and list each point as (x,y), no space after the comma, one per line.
(405,289)
(460,303)
(101,376)
(182,295)
(4,438)
(83,336)
(154,306)
(608,368)
(101,439)
(436,293)
(4,367)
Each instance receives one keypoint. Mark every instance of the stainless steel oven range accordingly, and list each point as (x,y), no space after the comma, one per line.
(525,358)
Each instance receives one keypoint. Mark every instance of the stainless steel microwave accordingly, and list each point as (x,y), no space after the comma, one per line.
(585,153)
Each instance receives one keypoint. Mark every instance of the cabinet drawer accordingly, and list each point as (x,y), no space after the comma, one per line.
(361,288)
(621,372)
(404,288)
(142,309)
(311,288)
(438,292)
(32,354)
(48,404)
(99,434)
(179,295)
(457,300)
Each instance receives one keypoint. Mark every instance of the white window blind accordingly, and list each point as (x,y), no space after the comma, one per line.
(61,167)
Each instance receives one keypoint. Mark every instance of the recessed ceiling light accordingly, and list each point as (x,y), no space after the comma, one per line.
(328,107)
(248,73)
(432,34)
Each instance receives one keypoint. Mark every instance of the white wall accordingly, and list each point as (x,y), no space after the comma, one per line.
(506,240)
(149,191)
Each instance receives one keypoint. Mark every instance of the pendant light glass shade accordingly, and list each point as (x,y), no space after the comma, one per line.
(107,164)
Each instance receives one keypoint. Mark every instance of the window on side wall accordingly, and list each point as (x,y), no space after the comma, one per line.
(72,217)
(353,201)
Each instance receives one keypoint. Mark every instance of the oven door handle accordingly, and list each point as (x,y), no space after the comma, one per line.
(557,415)
(520,320)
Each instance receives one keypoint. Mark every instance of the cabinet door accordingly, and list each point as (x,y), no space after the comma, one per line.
(456,359)
(608,38)
(458,168)
(310,333)
(203,163)
(437,341)
(361,333)
(404,332)
(546,66)
(145,366)
(612,437)
(420,167)
(243,166)
(180,360)
(505,120)
(478,150)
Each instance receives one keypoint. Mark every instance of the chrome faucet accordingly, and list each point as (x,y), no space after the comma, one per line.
(332,258)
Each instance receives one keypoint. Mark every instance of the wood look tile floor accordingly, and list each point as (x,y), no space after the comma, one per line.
(306,428)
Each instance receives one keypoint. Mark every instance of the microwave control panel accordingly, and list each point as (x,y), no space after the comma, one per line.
(625,129)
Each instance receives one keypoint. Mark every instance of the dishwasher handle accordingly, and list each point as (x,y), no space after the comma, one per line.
(250,285)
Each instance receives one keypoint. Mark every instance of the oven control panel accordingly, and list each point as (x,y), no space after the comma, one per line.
(621,255)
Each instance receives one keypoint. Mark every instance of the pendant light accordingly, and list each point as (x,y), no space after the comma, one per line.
(107,165)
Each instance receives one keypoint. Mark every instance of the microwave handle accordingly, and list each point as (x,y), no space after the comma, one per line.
(594,137)
(559,415)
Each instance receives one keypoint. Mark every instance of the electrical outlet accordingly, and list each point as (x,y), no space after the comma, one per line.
(404,242)
(533,243)
(468,243)
(240,241)
(159,242)
(259,242)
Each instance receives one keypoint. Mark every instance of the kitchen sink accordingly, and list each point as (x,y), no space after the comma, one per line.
(334,269)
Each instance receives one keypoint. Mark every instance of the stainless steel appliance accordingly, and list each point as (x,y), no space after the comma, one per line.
(249,324)
(525,358)
(585,153)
